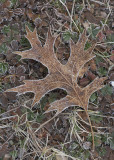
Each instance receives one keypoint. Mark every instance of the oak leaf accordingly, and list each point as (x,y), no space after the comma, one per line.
(59,75)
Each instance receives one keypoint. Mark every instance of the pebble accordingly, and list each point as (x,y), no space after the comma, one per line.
(86,145)
(112,24)
(103,14)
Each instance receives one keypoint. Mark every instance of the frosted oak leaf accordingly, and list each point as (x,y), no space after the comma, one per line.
(59,75)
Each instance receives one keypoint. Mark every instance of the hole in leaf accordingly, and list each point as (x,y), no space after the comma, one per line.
(62,50)
(49,98)
(36,70)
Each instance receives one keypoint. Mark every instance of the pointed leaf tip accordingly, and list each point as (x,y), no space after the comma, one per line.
(49,33)
(83,38)
(27,29)
(35,101)
(18,52)
(71,42)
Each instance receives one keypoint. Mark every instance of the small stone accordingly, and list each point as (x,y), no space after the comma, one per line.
(14,45)
(86,25)
(37,21)
(7,156)
(112,24)
(112,83)
(12,70)
(86,145)
(103,14)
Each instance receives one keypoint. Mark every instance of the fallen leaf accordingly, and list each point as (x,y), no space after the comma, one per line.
(101,36)
(60,76)
(112,56)
(90,75)
(6,98)
(31,15)
(87,15)
(84,82)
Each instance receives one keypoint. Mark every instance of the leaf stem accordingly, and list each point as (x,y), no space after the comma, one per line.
(92,132)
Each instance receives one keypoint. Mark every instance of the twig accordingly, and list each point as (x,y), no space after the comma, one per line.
(42,125)
(70,15)
(101,3)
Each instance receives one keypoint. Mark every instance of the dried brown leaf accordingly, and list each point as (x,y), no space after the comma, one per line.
(87,15)
(60,76)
